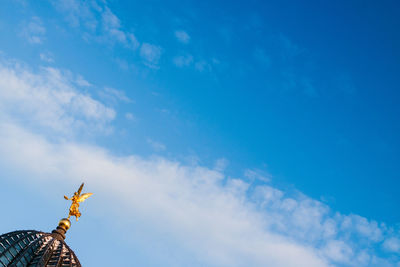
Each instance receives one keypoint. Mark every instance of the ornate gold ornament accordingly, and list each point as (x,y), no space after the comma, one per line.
(76,199)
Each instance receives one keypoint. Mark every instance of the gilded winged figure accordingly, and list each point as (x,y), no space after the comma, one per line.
(76,199)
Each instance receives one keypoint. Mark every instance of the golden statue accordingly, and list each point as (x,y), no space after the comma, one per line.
(76,199)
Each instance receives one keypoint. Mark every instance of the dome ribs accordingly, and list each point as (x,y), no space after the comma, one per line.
(15,244)
(33,248)
(43,254)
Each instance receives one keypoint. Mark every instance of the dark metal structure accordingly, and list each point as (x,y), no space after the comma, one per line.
(33,248)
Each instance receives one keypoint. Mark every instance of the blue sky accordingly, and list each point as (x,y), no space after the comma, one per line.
(212,134)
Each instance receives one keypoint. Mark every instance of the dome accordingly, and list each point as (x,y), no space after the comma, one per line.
(34,248)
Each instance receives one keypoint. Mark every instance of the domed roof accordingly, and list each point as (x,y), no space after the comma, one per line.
(33,248)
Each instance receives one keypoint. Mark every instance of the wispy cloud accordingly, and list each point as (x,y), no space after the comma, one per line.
(151,55)
(99,23)
(182,36)
(157,146)
(125,65)
(82,82)
(47,57)
(183,60)
(289,68)
(256,175)
(48,99)
(113,30)
(79,13)
(221,164)
(130,116)
(217,220)
(203,65)
(114,96)
(392,245)
(34,31)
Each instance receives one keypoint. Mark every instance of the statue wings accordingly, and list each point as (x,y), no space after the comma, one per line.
(80,198)
(84,196)
(80,189)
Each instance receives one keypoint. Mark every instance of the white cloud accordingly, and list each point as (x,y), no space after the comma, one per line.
(106,29)
(46,57)
(209,221)
(392,244)
(113,95)
(183,61)
(132,41)
(157,146)
(217,220)
(338,251)
(112,27)
(254,175)
(202,65)
(48,99)
(221,164)
(363,227)
(110,20)
(79,12)
(151,55)
(130,116)
(34,31)
(182,36)
(125,65)
(82,82)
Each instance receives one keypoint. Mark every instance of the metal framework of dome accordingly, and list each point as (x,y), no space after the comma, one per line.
(33,248)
